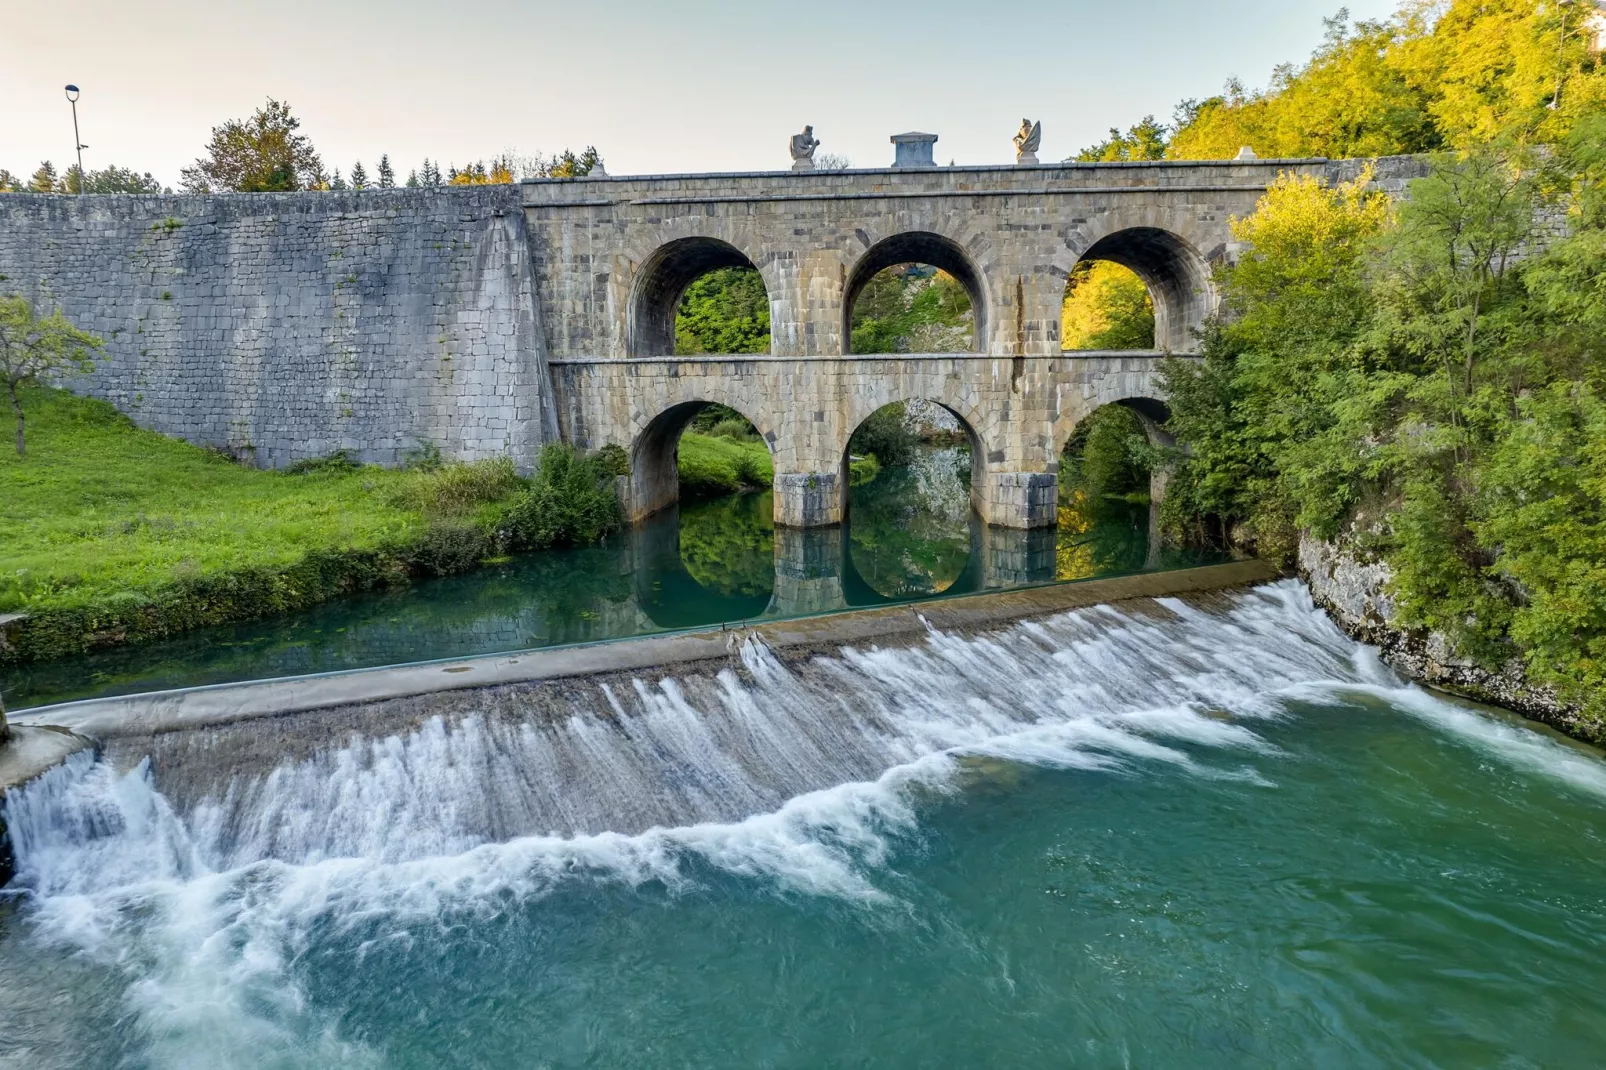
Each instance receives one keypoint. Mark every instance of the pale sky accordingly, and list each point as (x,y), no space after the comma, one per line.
(693,85)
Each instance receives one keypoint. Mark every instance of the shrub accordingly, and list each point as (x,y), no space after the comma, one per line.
(457,489)
(614,460)
(449,547)
(736,429)
(338,461)
(886,436)
(570,501)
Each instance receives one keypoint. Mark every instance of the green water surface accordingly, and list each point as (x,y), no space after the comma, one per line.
(910,534)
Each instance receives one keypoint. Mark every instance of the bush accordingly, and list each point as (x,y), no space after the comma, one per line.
(338,461)
(570,501)
(458,489)
(863,470)
(886,436)
(737,430)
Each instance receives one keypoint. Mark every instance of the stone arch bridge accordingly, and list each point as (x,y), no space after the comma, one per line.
(491,320)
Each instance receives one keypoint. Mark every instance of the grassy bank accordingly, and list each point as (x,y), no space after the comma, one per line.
(713,464)
(114,534)
(716,464)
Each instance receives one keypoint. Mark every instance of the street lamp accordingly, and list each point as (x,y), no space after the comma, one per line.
(72,98)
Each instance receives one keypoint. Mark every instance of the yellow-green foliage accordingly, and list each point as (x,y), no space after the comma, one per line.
(1430,381)
(1414,83)
(1106,307)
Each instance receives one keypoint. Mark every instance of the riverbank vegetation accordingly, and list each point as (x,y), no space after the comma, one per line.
(116,534)
(1424,379)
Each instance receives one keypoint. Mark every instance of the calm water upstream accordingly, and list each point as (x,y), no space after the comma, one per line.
(1204,834)
(911,535)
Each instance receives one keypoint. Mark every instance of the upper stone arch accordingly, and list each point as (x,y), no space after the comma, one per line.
(1166,255)
(660,279)
(918,247)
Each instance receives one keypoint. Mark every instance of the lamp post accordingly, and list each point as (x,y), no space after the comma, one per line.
(79,146)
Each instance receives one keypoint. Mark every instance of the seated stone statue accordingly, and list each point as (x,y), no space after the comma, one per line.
(803,146)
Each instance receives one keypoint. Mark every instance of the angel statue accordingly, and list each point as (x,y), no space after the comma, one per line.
(803,146)
(1026,141)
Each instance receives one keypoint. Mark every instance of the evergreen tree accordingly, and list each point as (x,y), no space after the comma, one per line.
(412,179)
(110,180)
(359,176)
(337,182)
(387,173)
(44,180)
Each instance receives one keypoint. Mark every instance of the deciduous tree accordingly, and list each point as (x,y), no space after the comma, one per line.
(34,349)
(261,154)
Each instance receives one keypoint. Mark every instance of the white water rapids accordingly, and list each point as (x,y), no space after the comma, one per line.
(797,776)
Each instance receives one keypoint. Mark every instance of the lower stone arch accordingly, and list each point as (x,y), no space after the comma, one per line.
(967,424)
(1175,273)
(1152,412)
(654,480)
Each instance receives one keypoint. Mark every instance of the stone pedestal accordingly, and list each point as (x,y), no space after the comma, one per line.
(804,164)
(809,499)
(1017,499)
(1024,159)
(914,149)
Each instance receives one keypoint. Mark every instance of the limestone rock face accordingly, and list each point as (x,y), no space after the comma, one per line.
(1354,592)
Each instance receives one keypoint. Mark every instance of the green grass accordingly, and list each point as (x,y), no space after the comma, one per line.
(711,464)
(101,507)
(112,534)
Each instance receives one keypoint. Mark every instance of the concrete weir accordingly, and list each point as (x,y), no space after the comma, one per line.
(171,711)
(28,752)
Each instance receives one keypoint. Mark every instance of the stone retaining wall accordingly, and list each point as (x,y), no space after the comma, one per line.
(289,326)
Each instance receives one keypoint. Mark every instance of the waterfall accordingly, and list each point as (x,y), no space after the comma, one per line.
(801,777)
(1095,688)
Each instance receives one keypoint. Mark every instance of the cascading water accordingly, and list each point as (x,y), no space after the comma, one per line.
(296,915)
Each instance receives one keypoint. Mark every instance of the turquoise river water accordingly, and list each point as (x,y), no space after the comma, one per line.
(911,535)
(1212,833)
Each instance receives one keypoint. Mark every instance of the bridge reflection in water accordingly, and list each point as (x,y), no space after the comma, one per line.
(909,535)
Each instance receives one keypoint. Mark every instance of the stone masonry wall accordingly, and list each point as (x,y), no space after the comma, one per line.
(1014,233)
(288,326)
(1021,412)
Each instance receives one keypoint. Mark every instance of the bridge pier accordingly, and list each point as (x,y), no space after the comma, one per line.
(810,499)
(1022,500)
(1015,557)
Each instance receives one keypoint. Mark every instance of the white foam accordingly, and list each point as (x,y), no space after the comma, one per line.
(801,781)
